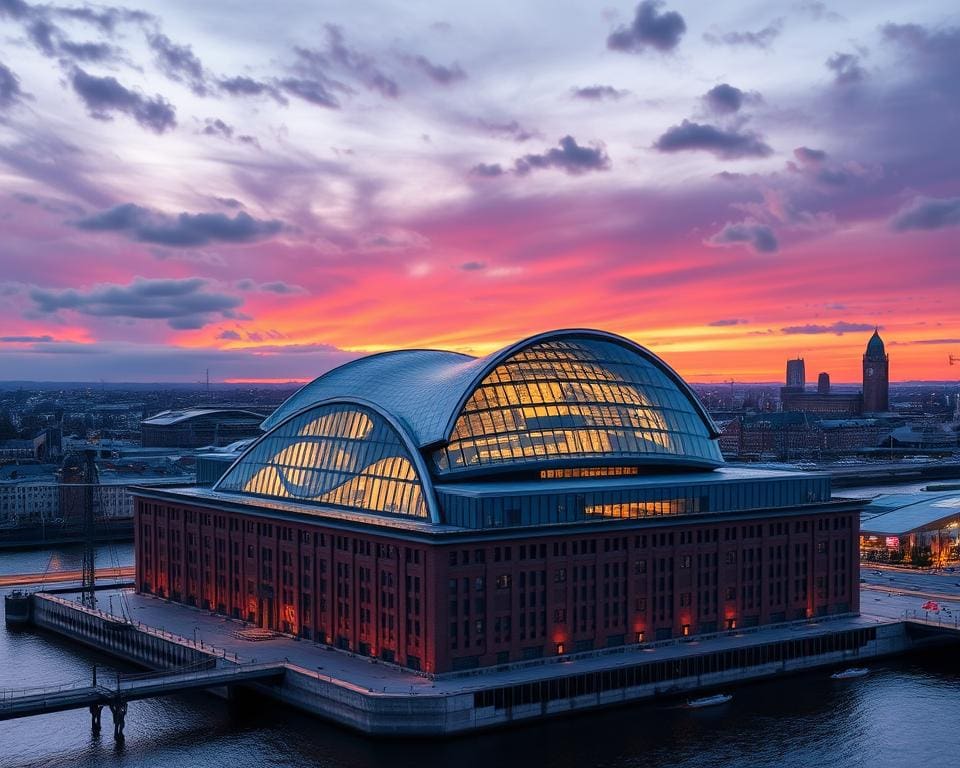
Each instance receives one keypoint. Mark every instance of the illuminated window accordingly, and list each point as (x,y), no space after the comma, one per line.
(334,455)
(576,398)
(635,509)
(547,474)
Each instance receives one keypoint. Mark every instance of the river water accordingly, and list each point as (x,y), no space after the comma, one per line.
(905,712)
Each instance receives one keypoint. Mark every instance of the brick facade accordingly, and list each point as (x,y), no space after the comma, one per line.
(444,603)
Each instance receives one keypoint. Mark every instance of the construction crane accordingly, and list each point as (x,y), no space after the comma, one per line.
(88,595)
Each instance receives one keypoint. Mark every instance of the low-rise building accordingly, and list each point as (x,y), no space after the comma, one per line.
(445,512)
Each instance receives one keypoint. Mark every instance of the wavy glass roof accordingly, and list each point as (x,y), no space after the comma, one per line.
(419,387)
(341,455)
(425,389)
(375,434)
(576,398)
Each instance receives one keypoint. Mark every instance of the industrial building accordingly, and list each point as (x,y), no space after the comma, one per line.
(199,427)
(444,512)
(920,529)
(34,494)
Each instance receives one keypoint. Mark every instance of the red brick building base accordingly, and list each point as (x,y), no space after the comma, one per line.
(465,599)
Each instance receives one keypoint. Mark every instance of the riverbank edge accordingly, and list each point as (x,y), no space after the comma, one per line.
(483,702)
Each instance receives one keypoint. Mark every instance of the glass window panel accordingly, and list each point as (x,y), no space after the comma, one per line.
(339,455)
(578,397)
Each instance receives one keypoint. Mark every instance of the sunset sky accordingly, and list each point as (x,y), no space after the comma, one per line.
(269,189)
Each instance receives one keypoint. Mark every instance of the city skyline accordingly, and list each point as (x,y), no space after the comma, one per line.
(185,188)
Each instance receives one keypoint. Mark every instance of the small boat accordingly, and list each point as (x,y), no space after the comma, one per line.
(709,701)
(847,674)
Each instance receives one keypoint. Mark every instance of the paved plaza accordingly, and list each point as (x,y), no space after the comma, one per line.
(224,636)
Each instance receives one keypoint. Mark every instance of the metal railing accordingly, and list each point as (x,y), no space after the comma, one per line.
(12,695)
(196,644)
(122,682)
(949,622)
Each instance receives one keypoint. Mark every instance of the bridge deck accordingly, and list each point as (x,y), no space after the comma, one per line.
(28,702)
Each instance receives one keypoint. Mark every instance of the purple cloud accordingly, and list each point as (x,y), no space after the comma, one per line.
(838,328)
(179,63)
(762,38)
(726,323)
(247,86)
(314,92)
(649,29)
(808,156)
(10,92)
(364,68)
(26,339)
(598,93)
(758,236)
(439,73)
(728,144)
(183,230)
(928,213)
(508,130)
(569,157)
(276,286)
(724,99)
(488,170)
(184,304)
(846,68)
(104,96)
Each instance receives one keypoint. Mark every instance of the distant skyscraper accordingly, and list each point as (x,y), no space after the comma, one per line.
(823,384)
(876,376)
(796,375)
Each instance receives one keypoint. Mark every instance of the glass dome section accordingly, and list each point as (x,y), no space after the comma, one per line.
(340,455)
(577,398)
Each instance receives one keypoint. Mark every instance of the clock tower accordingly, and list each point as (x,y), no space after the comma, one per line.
(876,376)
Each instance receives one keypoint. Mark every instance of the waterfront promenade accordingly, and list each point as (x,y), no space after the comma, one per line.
(375,697)
(217,634)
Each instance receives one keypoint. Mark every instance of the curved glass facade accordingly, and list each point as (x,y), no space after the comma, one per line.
(334,455)
(576,398)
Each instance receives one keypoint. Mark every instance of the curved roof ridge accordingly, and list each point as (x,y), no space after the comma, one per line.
(401,430)
(412,384)
(372,355)
(425,389)
(494,359)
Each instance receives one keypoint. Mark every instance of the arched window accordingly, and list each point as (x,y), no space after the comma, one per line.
(576,398)
(340,455)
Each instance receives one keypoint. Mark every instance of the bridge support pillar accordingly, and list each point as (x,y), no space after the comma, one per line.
(119,711)
(95,711)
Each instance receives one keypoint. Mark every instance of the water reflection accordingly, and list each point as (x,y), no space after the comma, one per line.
(63,558)
(903,713)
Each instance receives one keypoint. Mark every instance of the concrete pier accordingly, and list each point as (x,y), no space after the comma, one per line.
(377,698)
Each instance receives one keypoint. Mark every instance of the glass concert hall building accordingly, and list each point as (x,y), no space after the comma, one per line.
(444,512)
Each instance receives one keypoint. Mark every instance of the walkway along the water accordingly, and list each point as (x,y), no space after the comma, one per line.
(382,699)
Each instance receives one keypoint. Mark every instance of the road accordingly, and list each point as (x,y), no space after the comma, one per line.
(59,577)
(889,592)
